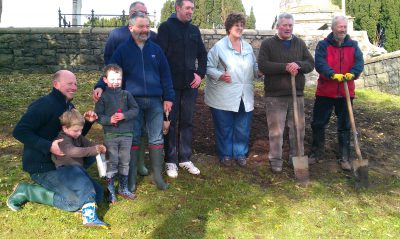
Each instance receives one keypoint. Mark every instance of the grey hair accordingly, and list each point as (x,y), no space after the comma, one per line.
(133,5)
(336,18)
(132,19)
(282,16)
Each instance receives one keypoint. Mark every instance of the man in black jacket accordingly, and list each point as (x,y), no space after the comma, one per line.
(183,46)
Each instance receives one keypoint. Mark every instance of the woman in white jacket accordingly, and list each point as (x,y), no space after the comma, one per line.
(229,91)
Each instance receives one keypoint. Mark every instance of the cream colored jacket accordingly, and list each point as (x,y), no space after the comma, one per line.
(242,68)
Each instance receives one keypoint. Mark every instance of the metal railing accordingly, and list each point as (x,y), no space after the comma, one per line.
(94,20)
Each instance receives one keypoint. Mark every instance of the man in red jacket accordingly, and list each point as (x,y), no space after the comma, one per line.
(337,58)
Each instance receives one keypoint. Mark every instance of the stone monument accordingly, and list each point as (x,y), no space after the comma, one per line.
(311,14)
(76,10)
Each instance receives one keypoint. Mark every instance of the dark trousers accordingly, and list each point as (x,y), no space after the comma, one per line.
(322,112)
(178,145)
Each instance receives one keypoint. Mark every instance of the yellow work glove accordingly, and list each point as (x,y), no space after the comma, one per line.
(338,77)
(349,76)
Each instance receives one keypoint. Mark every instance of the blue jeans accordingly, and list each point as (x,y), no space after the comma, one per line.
(179,139)
(150,114)
(232,132)
(72,187)
(323,107)
(118,155)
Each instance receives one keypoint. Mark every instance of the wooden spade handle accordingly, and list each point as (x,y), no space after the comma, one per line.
(296,115)
(352,122)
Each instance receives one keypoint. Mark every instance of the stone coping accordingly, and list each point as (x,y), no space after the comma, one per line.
(87,30)
(390,55)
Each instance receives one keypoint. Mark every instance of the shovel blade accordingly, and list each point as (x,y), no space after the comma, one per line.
(360,168)
(300,165)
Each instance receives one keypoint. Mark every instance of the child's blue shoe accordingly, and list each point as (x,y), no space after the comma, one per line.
(123,190)
(90,218)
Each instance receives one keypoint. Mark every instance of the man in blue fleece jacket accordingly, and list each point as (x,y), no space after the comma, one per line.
(118,36)
(146,75)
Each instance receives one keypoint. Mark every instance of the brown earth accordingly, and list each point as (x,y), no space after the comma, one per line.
(379,137)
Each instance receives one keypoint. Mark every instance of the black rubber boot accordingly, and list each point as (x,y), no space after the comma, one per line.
(141,167)
(317,147)
(24,192)
(132,175)
(112,197)
(344,150)
(123,190)
(157,163)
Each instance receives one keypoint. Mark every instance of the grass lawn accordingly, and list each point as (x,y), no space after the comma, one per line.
(230,203)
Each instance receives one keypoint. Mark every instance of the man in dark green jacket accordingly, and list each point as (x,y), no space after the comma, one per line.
(280,57)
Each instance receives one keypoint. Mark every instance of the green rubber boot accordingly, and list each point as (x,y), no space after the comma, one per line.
(132,175)
(24,192)
(141,167)
(157,163)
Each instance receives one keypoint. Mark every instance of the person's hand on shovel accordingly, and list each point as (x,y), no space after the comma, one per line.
(349,76)
(292,68)
(338,77)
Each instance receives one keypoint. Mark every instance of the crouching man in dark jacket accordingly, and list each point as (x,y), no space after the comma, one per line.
(37,130)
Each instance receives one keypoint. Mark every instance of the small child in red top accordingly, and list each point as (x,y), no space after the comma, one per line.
(116,110)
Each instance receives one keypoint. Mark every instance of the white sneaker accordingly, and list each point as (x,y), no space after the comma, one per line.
(172,170)
(189,166)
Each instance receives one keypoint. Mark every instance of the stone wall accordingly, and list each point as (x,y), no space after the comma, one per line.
(27,50)
(81,49)
(35,50)
(383,73)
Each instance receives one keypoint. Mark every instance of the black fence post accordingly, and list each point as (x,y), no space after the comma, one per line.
(123,17)
(154,22)
(92,19)
(59,17)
